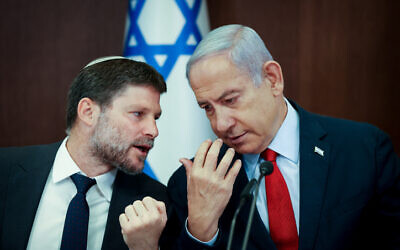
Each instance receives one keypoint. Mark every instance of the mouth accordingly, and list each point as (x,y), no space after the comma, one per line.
(144,149)
(237,139)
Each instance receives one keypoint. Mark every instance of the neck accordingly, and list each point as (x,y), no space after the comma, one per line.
(283,112)
(281,115)
(79,148)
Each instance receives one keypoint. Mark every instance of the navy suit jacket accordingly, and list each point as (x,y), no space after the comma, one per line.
(349,196)
(23,175)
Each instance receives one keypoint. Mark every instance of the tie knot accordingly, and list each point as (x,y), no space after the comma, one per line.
(269,155)
(82,183)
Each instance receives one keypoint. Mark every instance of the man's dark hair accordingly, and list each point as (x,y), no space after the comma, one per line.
(102,81)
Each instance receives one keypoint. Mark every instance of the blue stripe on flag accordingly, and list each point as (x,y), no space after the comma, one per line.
(147,170)
(136,46)
(173,51)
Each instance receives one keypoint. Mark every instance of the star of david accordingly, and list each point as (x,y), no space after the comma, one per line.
(181,47)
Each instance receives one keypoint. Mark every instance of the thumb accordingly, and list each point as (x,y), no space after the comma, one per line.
(161,207)
(162,210)
(188,166)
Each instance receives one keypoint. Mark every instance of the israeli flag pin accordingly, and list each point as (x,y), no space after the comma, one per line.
(318,151)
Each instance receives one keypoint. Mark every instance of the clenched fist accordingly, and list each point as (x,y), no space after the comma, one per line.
(142,223)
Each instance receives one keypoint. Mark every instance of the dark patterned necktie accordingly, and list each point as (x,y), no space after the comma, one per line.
(77,219)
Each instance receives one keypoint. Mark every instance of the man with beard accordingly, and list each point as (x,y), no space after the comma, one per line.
(73,194)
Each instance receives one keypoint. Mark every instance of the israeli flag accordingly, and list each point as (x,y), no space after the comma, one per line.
(164,33)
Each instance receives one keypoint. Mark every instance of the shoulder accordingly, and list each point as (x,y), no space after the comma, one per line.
(348,139)
(149,183)
(357,136)
(338,130)
(30,155)
(340,127)
(140,184)
(23,151)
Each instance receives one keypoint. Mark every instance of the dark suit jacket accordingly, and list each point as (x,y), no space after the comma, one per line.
(23,175)
(349,197)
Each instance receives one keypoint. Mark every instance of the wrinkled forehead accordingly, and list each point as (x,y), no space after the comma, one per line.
(213,78)
(219,64)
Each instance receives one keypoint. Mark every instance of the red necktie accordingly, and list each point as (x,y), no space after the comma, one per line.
(282,225)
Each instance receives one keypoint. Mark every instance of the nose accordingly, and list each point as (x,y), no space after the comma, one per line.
(150,128)
(223,121)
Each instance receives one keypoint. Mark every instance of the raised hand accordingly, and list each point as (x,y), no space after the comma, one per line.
(209,188)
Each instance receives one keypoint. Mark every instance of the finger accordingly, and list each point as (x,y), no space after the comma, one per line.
(154,206)
(161,207)
(225,162)
(162,210)
(150,204)
(233,172)
(187,164)
(201,153)
(130,212)
(212,155)
(123,221)
(139,208)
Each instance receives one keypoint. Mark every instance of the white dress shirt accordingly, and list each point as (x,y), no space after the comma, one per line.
(286,143)
(59,190)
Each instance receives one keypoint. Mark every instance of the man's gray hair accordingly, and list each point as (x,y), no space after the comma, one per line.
(243,45)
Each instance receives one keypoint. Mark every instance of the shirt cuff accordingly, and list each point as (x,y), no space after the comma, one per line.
(207,243)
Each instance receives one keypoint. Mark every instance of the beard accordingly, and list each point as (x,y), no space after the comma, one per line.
(111,147)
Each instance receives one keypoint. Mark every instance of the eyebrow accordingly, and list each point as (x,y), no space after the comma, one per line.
(134,107)
(226,93)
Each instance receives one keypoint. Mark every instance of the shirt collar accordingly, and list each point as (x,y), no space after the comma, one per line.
(285,142)
(250,164)
(64,166)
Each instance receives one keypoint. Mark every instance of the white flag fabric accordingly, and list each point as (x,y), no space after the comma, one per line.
(164,33)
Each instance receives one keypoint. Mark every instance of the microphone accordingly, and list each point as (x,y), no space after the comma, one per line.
(245,195)
(248,190)
(266,168)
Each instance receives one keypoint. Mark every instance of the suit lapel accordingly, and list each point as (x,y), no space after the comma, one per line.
(121,197)
(127,188)
(258,234)
(25,188)
(314,161)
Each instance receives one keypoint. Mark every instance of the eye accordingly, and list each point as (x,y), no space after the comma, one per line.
(208,108)
(229,101)
(137,113)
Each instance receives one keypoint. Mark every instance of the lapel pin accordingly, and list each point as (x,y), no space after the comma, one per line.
(318,151)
